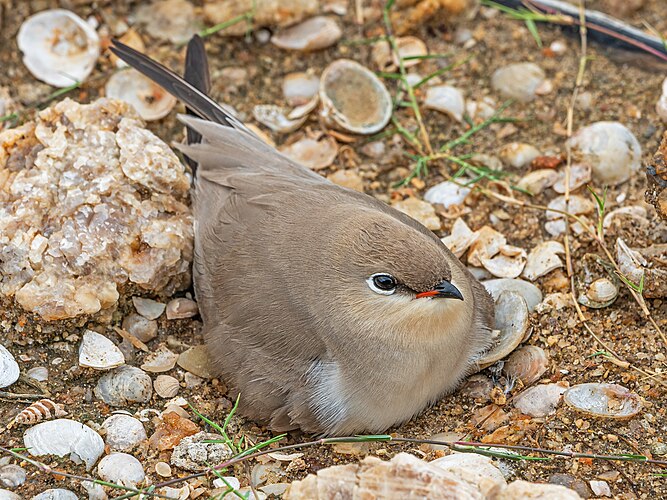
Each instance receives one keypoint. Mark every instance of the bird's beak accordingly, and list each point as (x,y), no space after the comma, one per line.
(445,290)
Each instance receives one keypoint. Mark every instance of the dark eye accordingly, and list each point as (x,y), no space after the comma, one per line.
(382,283)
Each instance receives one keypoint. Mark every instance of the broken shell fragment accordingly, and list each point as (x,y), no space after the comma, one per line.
(161,360)
(518,154)
(446,99)
(150,100)
(9,368)
(311,153)
(148,308)
(65,437)
(538,180)
(316,33)
(181,308)
(518,81)
(580,175)
(300,88)
(543,259)
(541,400)
(447,194)
(604,400)
(98,352)
(277,119)
(353,98)
(172,20)
(513,325)
(422,211)
(460,239)
(476,470)
(409,48)
(578,205)
(632,212)
(531,294)
(58,47)
(528,364)
(491,251)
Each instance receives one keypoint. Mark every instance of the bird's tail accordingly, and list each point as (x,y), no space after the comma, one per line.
(196,74)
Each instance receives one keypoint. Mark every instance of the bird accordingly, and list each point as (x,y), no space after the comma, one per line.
(325,309)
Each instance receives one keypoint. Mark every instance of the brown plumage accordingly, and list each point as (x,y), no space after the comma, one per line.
(326,309)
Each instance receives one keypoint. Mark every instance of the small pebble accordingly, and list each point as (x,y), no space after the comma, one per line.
(600,488)
(142,328)
(181,308)
(148,308)
(518,81)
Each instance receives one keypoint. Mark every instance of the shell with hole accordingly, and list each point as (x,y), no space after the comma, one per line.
(603,400)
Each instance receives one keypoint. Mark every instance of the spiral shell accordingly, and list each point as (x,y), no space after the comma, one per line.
(44,409)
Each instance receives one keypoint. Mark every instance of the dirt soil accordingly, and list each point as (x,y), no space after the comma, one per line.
(619,92)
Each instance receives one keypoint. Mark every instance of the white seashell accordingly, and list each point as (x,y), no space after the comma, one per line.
(541,400)
(447,194)
(56,494)
(604,400)
(124,385)
(486,245)
(446,99)
(300,88)
(123,432)
(58,47)
(528,364)
(421,211)
(408,46)
(543,259)
(163,469)
(65,437)
(518,81)
(9,495)
(181,308)
(172,20)
(228,480)
(404,476)
(353,98)
(518,154)
(476,470)
(513,324)
(481,110)
(460,239)
(148,308)
(150,100)
(631,262)
(38,373)
(166,386)
(636,212)
(311,153)
(661,107)
(554,301)
(530,293)
(95,491)
(508,263)
(121,468)
(580,175)
(523,490)
(275,117)
(12,476)
(578,205)
(9,368)
(600,488)
(612,151)
(192,454)
(161,360)
(316,33)
(182,493)
(43,409)
(98,352)
(601,293)
(538,180)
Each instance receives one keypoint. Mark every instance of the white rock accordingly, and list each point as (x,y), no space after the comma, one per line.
(600,488)
(476,470)
(98,352)
(192,453)
(9,495)
(123,432)
(518,155)
(56,494)
(9,368)
(65,437)
(518,81)
(148,308)
(447,194)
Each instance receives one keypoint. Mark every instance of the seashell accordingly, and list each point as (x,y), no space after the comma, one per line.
(528,364)
(229,480)
(530,293)
(538,180)
(171,20)
(460,239)
(476,470)
(477,387)
(611,150)
(166,386)
(12,476)
(446,99)
(513,324)
(525,491)
(311,153)
(447,194)
(123,432)
(192,454)
(138,326)
(181,308)
(43,409)
(163,469)
(300,88)
(148,308)
(150,100)
(541,400)
(601,293)
(518,154)
(401,477)
(543,259)
(9,368)
(95,491)
(490,250)
(182,493)
(578,205)
(353,98)
(580,175)
(65,437)
(56,494)
(38,373)
(518,81)
(124,385)
(554,301)
(421,211)
(604,400)
(275,117)
(630,261)
(9,495)
(316,33)
(161,360)
(58,47)
(121,468)
(132,39)
(347,178)
(661,107)
(635,212)
(481,110)
(407,47)
(98,352)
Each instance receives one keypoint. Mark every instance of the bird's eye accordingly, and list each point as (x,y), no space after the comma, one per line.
(382,283)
